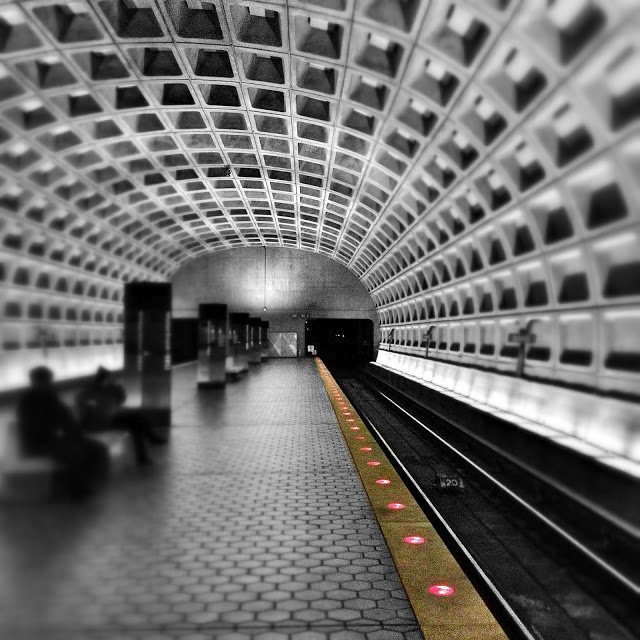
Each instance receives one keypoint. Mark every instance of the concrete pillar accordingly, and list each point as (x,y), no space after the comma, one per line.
(147,349)
(238,360)
(212,345)
(255,344)
(264,339)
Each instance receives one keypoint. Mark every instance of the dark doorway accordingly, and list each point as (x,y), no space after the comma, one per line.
(342,344)
(184,340)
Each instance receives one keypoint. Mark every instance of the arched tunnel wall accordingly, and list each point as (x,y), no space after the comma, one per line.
(474,164)
(298,283)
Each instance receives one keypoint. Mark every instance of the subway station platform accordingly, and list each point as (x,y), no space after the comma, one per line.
(253,523)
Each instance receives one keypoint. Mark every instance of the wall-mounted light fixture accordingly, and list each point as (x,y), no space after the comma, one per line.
(264,308)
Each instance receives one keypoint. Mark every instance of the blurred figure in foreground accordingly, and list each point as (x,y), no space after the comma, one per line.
(47,428)
(100,408)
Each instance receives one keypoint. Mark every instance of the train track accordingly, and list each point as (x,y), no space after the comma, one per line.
(513,534)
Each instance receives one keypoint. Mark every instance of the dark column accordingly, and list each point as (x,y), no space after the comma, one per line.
(212,345)
(184,340)
(255,343)
(239,341)
(147,348)
(264,339)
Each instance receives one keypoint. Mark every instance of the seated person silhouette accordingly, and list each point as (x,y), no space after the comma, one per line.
(100,408)
(47,428)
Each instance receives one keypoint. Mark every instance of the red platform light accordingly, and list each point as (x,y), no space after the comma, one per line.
(396,506)
(383,481)
(373,463)
(354,428)
(350,420)
(365,448)
(441,590)
(414,540)
(359,437)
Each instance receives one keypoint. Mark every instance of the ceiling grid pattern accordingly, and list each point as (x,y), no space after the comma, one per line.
(474,162)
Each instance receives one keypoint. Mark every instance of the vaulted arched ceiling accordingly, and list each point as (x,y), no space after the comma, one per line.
(470,160)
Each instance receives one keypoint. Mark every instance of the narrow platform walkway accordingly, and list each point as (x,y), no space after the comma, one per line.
(252,525)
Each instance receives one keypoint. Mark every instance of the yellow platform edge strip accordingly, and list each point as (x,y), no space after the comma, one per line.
(419,554)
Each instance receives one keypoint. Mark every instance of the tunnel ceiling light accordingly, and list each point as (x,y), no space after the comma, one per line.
(264,290)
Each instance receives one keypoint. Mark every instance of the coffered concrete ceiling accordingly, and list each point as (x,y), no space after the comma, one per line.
(470,160)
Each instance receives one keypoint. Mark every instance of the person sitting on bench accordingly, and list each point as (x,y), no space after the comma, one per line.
(100,408)
(47,428)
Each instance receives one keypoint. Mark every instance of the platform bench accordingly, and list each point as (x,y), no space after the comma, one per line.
(233,372)
(31,479)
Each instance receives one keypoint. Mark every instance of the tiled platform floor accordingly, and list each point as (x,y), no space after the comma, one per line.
(252,525)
